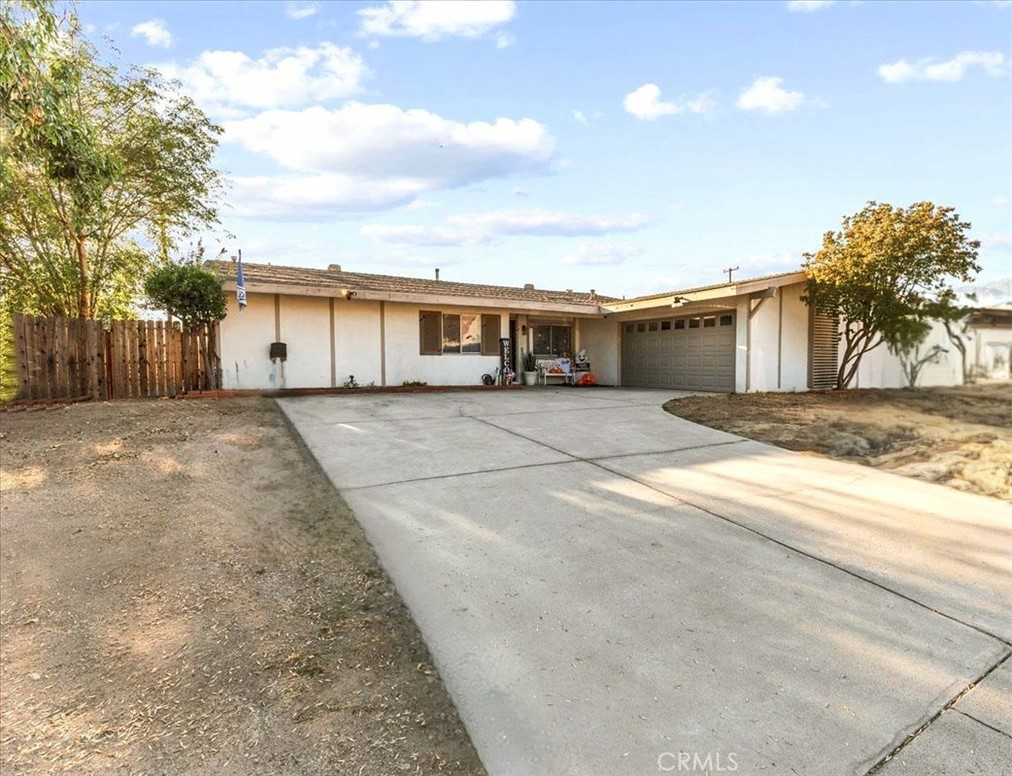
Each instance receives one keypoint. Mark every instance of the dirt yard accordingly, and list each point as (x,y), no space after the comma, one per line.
(182,592)
(961,437)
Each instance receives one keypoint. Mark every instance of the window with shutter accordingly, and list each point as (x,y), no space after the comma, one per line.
(430,333)
(490,330)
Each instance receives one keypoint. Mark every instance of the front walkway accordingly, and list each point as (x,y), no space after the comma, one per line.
(608,589)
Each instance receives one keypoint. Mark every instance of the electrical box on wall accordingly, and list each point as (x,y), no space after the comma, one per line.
(279,350)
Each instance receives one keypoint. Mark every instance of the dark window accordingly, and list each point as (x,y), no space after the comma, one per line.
(652,326)
(552,340)
(693,323)
(430,333)
(709,322)
(490,331)
(451,333)
(641,327)
(680,323)
(726,320)
(665,325)
(629,328)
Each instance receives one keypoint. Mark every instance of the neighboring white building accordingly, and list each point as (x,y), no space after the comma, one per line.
(748,335)
(990,354)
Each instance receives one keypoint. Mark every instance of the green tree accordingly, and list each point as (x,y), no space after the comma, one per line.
(193,294)
(94,160)
(886,272)
(187,291)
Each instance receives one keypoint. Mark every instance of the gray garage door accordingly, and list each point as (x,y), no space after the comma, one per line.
(693,353)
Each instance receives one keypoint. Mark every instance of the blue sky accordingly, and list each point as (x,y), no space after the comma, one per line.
(627,147)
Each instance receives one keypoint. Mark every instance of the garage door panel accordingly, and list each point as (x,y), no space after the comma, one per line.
(701,359)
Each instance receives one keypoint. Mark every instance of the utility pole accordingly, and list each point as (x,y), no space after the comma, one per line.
(729,270)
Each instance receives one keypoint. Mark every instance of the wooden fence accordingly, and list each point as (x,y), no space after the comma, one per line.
(66,358)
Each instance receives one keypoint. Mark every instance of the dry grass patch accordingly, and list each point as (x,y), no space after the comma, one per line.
(961,437)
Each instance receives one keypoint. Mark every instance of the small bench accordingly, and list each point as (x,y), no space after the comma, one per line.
(546,367)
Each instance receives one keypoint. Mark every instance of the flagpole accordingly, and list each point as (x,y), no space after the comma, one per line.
(240,284)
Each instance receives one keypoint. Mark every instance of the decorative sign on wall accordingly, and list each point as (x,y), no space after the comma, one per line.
(505,354)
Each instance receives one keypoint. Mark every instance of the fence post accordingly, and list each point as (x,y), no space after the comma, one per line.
(21,357)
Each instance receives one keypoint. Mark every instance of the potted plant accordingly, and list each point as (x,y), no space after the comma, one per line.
(530,365)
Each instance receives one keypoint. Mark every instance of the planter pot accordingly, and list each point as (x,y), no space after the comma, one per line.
(530,378)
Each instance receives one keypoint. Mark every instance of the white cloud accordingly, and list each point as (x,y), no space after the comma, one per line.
(504,40)
(421,235)
(598,254)
(645,103)
(316,197)
(154,32)
(767,94)
(996,241)
(372,157)
(384,142)
(579,118)
(1001,201)
(421,204)
(433,20)
(474,228)
(928,69)
(228,82)
(809,6)
(300,10)
(549,223)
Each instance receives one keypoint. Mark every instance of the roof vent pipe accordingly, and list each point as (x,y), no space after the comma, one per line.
(437,273)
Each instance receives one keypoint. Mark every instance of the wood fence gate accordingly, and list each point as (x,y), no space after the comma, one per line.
(68,358)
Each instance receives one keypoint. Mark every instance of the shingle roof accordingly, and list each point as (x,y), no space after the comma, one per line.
(360,281)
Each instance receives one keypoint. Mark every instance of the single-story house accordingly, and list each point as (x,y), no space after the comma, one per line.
(745,335)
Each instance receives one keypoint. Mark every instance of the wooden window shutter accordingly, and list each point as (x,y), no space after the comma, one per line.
(490,330)
(823,350)
(430,333)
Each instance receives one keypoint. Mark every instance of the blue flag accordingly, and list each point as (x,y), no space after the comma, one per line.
(240,285)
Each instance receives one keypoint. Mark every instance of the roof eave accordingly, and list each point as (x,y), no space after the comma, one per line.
(706,294)
(437,300)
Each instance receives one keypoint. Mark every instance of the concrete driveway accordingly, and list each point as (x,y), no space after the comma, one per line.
(607,589)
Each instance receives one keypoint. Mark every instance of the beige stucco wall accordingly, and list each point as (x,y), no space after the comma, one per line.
(357,342)
(881,369)
(404,362)
(600,337)
(363,332)
(778,357)
(303,323)
(305,327)
(246,336)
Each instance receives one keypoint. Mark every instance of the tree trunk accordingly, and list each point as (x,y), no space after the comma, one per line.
(84,293)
